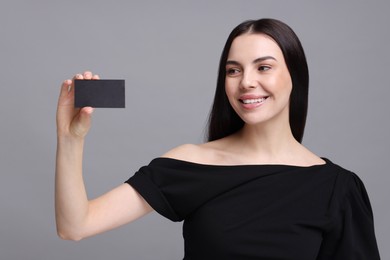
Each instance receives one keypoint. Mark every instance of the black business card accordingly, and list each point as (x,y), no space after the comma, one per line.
(108,93)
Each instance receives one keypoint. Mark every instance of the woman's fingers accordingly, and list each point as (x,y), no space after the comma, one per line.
(82,122)
(72,120)
(65,109)
(65,97)
(87,75)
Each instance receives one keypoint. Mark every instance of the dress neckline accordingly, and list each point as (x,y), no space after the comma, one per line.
(184,162)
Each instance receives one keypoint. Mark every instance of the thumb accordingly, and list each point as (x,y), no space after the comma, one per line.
(86,112)
(83,124)
(86,117)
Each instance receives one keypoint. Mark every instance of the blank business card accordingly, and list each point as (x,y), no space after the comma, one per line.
(108,93)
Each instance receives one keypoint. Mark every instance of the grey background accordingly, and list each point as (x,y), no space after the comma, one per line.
(168,53)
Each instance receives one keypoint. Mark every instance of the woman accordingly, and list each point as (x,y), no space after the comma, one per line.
(253,191)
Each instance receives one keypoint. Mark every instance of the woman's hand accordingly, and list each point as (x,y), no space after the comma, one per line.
(73,122)
(76,216)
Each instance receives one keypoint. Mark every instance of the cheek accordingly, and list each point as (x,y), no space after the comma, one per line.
(230,93)
(285,83)
(229,89)
(289,86)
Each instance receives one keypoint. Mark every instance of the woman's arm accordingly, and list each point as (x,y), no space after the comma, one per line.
(76,216)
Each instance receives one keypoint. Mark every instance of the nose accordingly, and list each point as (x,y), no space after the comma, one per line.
(248,80)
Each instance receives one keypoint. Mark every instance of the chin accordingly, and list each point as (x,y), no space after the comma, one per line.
(254,121)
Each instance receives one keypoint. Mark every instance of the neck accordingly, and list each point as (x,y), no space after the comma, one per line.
(267,142)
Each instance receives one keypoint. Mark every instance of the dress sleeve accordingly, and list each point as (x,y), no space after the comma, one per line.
(351,232)
(150,181)
(176,189)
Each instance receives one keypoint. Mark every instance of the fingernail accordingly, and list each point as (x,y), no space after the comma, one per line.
(89,110)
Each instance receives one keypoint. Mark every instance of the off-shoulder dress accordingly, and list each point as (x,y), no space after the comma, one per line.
(260,212)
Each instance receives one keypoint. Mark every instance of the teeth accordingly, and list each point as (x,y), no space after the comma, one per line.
(252,101)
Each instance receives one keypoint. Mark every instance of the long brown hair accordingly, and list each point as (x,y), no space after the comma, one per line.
(223,120)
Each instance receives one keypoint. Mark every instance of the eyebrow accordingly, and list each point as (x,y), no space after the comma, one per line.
(233,62)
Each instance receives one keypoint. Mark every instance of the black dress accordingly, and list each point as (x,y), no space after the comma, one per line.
(262,211)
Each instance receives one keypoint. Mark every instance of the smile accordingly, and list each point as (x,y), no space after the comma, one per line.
(253,101)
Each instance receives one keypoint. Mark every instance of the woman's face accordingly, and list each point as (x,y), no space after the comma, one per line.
(258,83)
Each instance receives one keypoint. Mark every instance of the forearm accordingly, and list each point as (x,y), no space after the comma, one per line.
(71,202)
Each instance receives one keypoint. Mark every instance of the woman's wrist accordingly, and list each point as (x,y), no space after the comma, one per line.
(70,140)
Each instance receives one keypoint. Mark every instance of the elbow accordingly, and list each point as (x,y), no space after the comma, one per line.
(66,235)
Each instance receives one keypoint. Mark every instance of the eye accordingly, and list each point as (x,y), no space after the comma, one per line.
(264,68)
(232,71)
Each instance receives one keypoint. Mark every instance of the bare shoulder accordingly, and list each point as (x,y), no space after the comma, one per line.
(205,153)
(185,152)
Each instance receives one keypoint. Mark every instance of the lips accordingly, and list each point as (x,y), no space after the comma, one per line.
(252,99)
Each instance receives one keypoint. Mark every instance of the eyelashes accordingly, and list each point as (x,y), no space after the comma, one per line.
(237,71)
(264,68)
(232,71)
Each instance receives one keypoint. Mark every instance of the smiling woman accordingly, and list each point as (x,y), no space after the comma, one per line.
(258,84)
(223,120)
(253,191)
